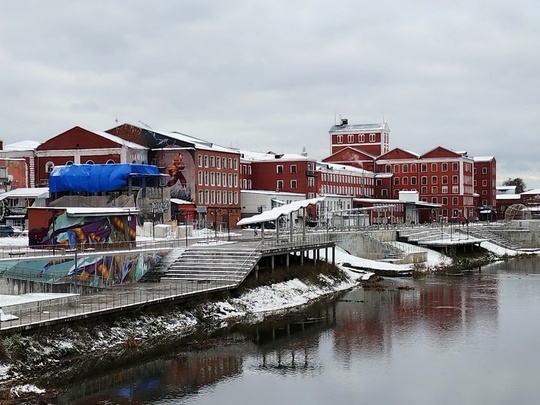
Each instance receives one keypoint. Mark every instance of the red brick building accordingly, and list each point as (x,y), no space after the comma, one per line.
(199,171)
(372,139)
(441,176)
(485,183)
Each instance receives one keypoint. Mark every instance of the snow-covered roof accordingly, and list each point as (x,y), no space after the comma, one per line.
(22,145)
(99,211)
(270,156)
(117,139)
(359,128)
(321,166)
(273,193)
(502,197)
(26,192)
(180,202)
(275,213)
(531,192)
(483,158)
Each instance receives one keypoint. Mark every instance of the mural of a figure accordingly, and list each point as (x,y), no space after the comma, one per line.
(175,171)
(181,176)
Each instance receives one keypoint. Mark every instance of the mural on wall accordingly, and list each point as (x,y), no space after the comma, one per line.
(180,167)
(72,232)
(87,270)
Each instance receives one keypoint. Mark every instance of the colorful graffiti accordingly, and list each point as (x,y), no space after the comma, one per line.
(69,232)
(95,270)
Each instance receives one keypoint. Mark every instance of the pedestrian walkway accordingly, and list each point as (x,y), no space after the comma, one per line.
(118,299)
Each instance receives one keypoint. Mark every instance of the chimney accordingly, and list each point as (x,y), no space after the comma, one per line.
(344,121)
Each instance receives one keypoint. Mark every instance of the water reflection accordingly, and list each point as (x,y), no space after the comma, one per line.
(456,336)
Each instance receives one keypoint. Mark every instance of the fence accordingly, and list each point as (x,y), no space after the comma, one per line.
(109,301)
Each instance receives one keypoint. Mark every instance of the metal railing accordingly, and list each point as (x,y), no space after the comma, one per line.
(97,304)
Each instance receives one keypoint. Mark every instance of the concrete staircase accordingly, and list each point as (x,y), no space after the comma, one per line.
(229,263)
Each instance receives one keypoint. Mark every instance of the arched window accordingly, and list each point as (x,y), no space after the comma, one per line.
(49,166)
(110,162)
(69,162)
(89,162)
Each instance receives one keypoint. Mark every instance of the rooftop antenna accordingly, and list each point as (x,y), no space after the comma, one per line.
(146,125)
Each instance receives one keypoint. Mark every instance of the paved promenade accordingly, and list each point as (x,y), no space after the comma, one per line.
(71,307)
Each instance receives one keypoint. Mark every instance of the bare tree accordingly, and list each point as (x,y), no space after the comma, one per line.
(518,182)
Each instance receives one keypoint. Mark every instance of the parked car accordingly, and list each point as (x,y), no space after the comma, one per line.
(6,230)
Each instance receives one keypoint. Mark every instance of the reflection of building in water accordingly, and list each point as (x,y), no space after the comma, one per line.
(293,342)
(368,321)
(184,374)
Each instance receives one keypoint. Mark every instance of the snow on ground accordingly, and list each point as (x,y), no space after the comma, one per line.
(502,251)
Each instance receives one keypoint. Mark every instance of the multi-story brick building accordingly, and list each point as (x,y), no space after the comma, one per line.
(198,171)
(440,176)
(485,183)
(371,139)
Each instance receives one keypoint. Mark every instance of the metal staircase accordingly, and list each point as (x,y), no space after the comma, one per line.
(229,263)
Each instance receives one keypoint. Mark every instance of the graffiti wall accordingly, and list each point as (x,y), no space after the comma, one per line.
(95,270)
(80,232)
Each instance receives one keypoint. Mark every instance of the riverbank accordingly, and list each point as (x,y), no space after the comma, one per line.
(30,364)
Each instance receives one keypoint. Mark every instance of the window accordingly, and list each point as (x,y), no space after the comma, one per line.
(484,183)
(361,138)
(212,161)
(455,166)
(413,181)
(350,138)
(434,190)
(212,178)
(372,137)
(279,168)
(445,200)
(423,167)
(340,139)
(424,179)
(445,167)
(405,181)
(484,170)
(433,179)
(229,161)
(293,183)
(434,200)
(199,160)
(434,167)
(455,189)
(200,177)
(89,162)
(455,201)
(455,180)
(224,164)
(444,189)
(293,168)
(396,181)
(205,161)
(235,164)
(423,190)
(218,163)
(70,162)
(405,168)
(279,185)
(444,179)
(109,162)
(49,166)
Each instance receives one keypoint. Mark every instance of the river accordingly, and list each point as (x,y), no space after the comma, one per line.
(470,339)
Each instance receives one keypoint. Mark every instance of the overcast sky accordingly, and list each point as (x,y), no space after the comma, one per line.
(273,75)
